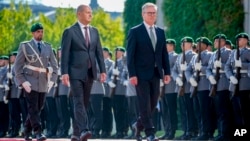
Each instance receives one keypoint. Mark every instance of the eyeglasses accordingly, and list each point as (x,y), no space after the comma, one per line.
(151,13)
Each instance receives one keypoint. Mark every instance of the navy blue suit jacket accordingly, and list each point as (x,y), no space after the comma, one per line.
(141,57)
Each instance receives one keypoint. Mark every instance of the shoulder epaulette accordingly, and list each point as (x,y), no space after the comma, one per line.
(47,43)
(25,42)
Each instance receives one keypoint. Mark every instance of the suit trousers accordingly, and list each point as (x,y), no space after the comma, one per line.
(148,92)
(35,102)
(97,110)
(81,93)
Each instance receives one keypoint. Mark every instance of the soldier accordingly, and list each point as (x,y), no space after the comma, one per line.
(199,63)
(221,99)
(4,111)
(107,101)
(62,102)
(229,44)
(14,104)
(240,100)
(118,94)
(36,71)
(169,97)
(186,103)
(210,46)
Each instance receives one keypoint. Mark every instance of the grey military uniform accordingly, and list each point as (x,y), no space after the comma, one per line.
(190,72)
(177,71)
(223,83)
(230,69)
(108,65)
(3,82)
(15,90)
(97,87)
(170,88)
(26,56)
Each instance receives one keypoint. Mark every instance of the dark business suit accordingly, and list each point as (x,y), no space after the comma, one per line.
(76,56)
(148,65)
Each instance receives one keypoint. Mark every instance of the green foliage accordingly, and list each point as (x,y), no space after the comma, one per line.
(202,18)
(132,13)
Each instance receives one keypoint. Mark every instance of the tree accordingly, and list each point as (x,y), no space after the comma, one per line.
(202,18)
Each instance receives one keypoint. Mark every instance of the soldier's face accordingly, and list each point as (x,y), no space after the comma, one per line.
(170,47)
(38,35)
(242,42)
(85,16)
(119,54)
(187,46)
(2,63)
(105,54)
(222,43)
(149,15)
(12,59)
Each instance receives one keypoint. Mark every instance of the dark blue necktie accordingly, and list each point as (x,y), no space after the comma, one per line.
(39,46)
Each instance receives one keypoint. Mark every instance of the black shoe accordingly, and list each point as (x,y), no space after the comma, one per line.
(62,135)
(27,137)
(2,134)
(202,137)
(85,135)
(152,138)
(95,136)
(13,134)
(221,138)
(118,135)
(163,137)
(40,137)
(137,131)
(105,135)
(170,137)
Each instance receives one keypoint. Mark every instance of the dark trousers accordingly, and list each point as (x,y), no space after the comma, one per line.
(23,107)
(169,112)
(81,93)
(133,110)
(223,112)
(120,113)
(96,116)
(4,117)
(107,115)
(51,116)
(197,115)
(204,102)
(35,102)
(62,105)
(147,93)
(15,114)
(241,105)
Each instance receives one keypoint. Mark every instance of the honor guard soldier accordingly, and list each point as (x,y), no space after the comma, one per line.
(229,44)
(4,111)
(62,102)
(169,97)
(14,103)
(188,120)
(196,75)
(107,124)
(219,86)
(36,71)
(118,94)
(236,69)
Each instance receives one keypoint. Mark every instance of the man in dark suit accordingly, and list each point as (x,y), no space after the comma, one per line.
(147,63)
(81,49)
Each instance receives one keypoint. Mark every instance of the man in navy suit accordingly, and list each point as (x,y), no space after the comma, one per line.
(81,49)
(147,63)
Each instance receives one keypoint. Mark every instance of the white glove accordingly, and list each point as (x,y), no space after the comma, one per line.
(115,71)
(198,66)
(238,63)
(50,69)
(7,88)
(59,72)
(50,85)
(125,83)
(193,82)
(212,80)
(5,100)
(179,81)
(111,84)
(233,80)
(161,83)
(217,64)
(9,75)
(183,66)
(26,85)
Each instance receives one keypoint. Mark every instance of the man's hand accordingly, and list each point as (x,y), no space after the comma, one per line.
(133,80)
(65,80)
(26,85)
(166,79)
(102,77)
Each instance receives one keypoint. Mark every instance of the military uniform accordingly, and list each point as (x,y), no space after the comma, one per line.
(4,111)
(188,120)
(168,102)
(222,97)
(241,99)
(107,102)
(204,101)
(36,70)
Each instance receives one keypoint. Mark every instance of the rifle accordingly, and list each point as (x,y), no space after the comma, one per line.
(8,96)
(198,60)
(217,73)
(182,88)
(237,74)
(58,78)
(115,76)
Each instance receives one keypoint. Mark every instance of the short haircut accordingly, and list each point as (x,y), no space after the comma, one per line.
(148,4)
